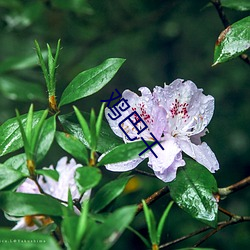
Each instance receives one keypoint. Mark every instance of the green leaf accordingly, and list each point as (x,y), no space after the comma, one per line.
(82,223)
(20,204)
(74,228)
(10,136)
(90,81)
(107,139)
(151,223)
(23,133)
(84,125)
(99,121)
(19,90)
(92,127)
(18,162)
(105,235)
(123,152)
(241,5)
(8,176)
(193,191)
(73,146)
(162,221)
(16,240)
(108,193)
(232,41)
(87,177)
(43,65)
(46,137)
(70,201)
(69,230)
(37,133)
(53,174)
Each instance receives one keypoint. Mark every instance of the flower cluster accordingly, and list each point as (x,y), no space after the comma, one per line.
(58,189)
(177,115)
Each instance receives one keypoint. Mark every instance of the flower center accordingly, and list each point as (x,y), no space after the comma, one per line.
(180,110)
(143,113)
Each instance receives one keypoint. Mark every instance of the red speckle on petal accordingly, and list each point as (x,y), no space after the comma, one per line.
(179,109)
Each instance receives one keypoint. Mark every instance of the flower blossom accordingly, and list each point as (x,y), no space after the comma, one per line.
(177,115)
(58,189)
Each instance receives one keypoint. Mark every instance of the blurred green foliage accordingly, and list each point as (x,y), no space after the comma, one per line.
(161,41)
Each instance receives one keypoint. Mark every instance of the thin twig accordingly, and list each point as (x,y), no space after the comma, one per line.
(226,23)
(144,173)
(42,192)
(222,15)
(223,192)
(224,211)
(235,220)
(152,198)
(204,229)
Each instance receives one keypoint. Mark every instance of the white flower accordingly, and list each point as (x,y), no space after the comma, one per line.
(177,115)
(58,189)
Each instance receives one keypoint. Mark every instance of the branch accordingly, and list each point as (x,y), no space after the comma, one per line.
(144,173)
(226,23)
(152,198)
(235,220)
(204,229)
(223,192)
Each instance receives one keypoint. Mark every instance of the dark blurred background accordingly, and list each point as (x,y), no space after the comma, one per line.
(161,41)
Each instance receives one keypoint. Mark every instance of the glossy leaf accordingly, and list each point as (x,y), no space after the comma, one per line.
(241,5)
(84,125)
(233,41)
(18,162)
(8,176)
(123,152)
(73,146)
(20,204)
(90,81)
(193,191)
(53,174)
(107,138)
(108,193)
(16,240)
(10,136)
(87,177)
(105,235)
(19,90)
(46,137)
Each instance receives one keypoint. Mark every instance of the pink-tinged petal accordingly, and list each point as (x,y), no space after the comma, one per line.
(159,125)
(168,161)
(125,165)
(196,139)
(29,187)
(59,189)
(189,110)
(201,153)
